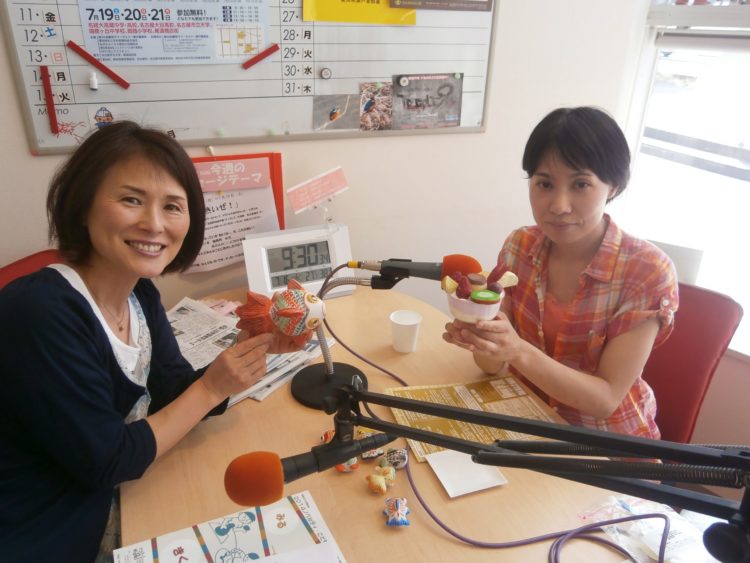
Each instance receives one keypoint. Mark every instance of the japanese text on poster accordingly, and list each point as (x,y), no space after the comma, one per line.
(239,201)
(169,32)
(315,190)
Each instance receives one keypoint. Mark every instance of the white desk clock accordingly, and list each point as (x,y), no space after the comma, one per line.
(307,254)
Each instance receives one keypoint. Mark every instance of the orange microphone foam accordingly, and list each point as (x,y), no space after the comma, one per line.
(255,479)
(460,263)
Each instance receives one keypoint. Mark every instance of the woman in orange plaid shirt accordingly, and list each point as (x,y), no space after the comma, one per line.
(592,301)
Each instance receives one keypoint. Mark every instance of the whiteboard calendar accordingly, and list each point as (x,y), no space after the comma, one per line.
(213,71)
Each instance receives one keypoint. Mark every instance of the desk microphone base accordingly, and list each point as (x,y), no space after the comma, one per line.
(312,384)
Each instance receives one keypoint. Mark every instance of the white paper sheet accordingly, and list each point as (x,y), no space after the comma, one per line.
(459,475)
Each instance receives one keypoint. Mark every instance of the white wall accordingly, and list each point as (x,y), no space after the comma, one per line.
(422,197)
(417,197)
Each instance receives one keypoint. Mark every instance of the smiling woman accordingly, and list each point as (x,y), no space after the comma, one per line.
(74,187)
(94,385)
(137,223)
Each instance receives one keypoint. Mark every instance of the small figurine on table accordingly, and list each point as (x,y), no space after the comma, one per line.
(370,454)
(292,314)
(396,511)
(349,465)
(395,457)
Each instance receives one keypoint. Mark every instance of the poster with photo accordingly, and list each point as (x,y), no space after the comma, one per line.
(335,112)
(375,105)
(427,101)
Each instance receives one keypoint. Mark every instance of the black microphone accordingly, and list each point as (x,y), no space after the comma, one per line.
(403,268)
(257,478)
(329,455)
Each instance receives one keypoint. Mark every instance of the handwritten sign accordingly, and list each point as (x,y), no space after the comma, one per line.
(311,192)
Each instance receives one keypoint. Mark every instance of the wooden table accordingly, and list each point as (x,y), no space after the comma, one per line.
(185,486)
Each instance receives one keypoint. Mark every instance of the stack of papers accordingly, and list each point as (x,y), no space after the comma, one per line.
(281,368)
(203,333)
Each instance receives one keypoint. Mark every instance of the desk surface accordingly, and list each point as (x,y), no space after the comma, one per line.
(185,486)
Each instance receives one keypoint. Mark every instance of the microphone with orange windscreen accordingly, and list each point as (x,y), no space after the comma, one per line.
(257,478)
(403,268)
(314,383)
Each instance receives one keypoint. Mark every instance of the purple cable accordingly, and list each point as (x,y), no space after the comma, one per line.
(556,548)
(560,537)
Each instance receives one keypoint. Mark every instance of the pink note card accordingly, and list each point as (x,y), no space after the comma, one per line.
(236,174)
(313,191)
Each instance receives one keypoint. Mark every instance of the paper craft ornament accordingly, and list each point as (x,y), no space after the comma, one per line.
(369,454)
(376,484)
(396,511)
(294,312)
(350,464)
(395,457)
(388,473)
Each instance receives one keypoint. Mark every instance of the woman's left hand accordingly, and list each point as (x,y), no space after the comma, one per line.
(280,343)
(496,339)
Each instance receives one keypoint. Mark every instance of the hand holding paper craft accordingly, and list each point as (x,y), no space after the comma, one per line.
(292,314)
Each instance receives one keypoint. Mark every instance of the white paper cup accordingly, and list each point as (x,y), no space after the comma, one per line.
(405,329)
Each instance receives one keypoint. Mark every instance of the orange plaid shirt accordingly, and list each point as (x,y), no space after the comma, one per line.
(627,282)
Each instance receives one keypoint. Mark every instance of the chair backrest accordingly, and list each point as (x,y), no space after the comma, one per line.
(27,265)
(680,370)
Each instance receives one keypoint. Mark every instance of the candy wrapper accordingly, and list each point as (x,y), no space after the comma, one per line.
(641,538)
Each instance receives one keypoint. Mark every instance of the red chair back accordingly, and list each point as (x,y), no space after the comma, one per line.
(27,265)
(680,370)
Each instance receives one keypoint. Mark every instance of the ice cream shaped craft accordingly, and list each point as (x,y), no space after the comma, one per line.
(476,297)
(294,312)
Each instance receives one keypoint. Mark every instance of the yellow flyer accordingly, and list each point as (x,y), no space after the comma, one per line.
(500,394)
(357,11)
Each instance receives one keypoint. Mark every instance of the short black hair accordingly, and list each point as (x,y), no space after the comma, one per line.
(72,190)
(585,138)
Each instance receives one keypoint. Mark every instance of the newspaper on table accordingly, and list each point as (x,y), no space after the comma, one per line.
(501,395)
(291,530)
(203,333)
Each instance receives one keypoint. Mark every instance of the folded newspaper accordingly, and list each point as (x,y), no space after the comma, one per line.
(203,333)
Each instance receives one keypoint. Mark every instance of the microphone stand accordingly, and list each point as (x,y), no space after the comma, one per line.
(727,466)
(312,384)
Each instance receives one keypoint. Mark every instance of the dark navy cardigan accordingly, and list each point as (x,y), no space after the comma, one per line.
(64,444)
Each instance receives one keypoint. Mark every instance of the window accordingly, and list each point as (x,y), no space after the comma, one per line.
(691,175)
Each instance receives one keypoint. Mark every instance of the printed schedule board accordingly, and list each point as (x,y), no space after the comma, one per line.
(221,71)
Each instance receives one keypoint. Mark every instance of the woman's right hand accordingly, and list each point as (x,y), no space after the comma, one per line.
(495,339)
(237,367)
(453,335)
(494,343)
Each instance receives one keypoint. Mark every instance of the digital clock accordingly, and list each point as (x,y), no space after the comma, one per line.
(306,254)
